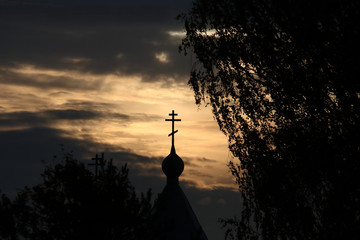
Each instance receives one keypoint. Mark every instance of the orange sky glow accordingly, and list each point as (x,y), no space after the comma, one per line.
(93,80)
(199,137)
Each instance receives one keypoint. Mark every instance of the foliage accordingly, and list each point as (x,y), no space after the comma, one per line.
(282,79)
(71,203)
(7,222)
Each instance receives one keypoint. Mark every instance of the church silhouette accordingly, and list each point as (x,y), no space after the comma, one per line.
(174,216)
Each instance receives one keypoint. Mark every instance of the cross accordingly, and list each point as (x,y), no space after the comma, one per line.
(173,114)
(97,163)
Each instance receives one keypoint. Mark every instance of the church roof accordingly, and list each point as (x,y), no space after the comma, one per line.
(173,213)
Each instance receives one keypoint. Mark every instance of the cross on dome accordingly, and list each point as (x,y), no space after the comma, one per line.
(173,212)
(172,165)
(99,161)
(173,120)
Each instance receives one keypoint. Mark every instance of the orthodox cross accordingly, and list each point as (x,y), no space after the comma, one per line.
(173,114)
(98,162)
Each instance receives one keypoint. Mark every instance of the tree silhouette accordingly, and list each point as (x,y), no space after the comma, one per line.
(282,80)
(71,203)
(7,221)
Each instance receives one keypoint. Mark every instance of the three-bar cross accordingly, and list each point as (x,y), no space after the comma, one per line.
(173,114)
(97,163)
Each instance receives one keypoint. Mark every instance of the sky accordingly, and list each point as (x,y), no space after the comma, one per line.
(101,76)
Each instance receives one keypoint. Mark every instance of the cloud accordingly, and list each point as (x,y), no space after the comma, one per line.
(73,114)
(221,201)
(177,34)
(84,76)
(199,162)
(48,117)
(162,57)
(27,75)
(23,151)
(87,104)
(89,40)
(77,60)
(94,3)
(205,201)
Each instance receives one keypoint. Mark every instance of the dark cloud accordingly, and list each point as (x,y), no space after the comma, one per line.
(206,160)
(97,3)
(23,151)
(47,117)
(124,40)
(198,173)
(106,110)
(88,105)
(81,111)
(142,117)
(21,119)
(195,162)
(43,81)
(59,93)
(72,114)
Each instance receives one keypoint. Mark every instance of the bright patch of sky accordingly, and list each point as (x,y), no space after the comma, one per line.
(144,131)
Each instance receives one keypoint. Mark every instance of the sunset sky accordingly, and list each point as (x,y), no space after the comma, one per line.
(101,76)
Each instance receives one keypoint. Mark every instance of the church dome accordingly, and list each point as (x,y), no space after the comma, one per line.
(172,165)
(173,215)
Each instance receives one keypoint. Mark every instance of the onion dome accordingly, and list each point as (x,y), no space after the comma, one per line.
(173,216)
(172,166)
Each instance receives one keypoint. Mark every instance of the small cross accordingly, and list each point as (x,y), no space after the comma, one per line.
(173,114)
(97,163)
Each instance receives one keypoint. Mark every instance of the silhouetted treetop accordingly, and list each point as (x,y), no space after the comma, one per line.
(282,80)
(71,203)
